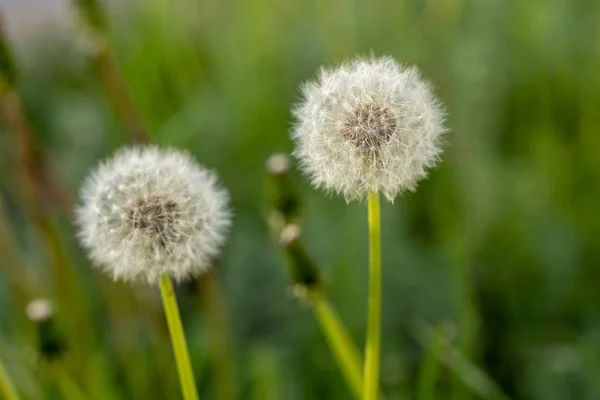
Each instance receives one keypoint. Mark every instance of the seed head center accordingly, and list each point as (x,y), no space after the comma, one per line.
(155,216)
(369,126)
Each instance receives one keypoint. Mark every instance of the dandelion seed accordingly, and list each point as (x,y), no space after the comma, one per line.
(149,212)
(370,125)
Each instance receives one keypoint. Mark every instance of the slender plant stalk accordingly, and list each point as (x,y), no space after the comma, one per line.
(21,285)
(454,359)
(7,388)
(373,345)
(180,348)
(69,388)
(31,160)
(430,366)
(110,76)
(221,353)
(467,312)
(305,274)
(308,283)
(38,184)
(119,96)
(266,375)
(344,350)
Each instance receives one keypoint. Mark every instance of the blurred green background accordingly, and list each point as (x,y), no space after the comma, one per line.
(500,246)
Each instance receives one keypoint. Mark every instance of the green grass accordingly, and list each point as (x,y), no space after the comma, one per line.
(500,243)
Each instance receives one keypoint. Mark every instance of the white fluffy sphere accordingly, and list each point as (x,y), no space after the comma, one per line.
(147,211)
(39,310)
(369,125)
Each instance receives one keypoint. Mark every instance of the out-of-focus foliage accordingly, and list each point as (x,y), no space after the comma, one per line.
(501,244)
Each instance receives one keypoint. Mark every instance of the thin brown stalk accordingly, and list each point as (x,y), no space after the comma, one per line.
(35,173)
(20,284)
(119,96)
(34,184)
(31,165)
(108,70)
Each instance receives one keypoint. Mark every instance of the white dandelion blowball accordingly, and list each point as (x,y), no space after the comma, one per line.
(147,211)
(39,310)
(369,125)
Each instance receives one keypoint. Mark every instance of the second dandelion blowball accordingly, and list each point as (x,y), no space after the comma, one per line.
(370,125)
(147,212)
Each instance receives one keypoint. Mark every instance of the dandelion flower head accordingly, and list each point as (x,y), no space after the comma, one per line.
(147,212)
(39,310)
(370,125)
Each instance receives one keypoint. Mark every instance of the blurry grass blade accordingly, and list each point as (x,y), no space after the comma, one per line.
(92,12)
(220,346)
(307,284)
(37,178)
(119,95)
(467,312)
(20,284)
(36,185)
(112,80)
(470,374)
(8,70)
(99,378)
(430,366)
(344,350)
(69,388)
(266,379)
(7,388)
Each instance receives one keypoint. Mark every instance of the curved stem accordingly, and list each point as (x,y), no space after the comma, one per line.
(373,344)
(7,388)
(182,357)
(344,350)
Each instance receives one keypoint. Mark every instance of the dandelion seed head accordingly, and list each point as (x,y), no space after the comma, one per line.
(278,164)
(147,211)
(368,125)
(289,235)
(39,310)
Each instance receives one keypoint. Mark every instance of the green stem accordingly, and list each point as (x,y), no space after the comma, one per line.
(7,388)
(182,357)
(373,344)
(344,350)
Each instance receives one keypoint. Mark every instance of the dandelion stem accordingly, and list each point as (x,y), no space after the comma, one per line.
(373,344)
(7,388)
(182,357)
(344,350)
